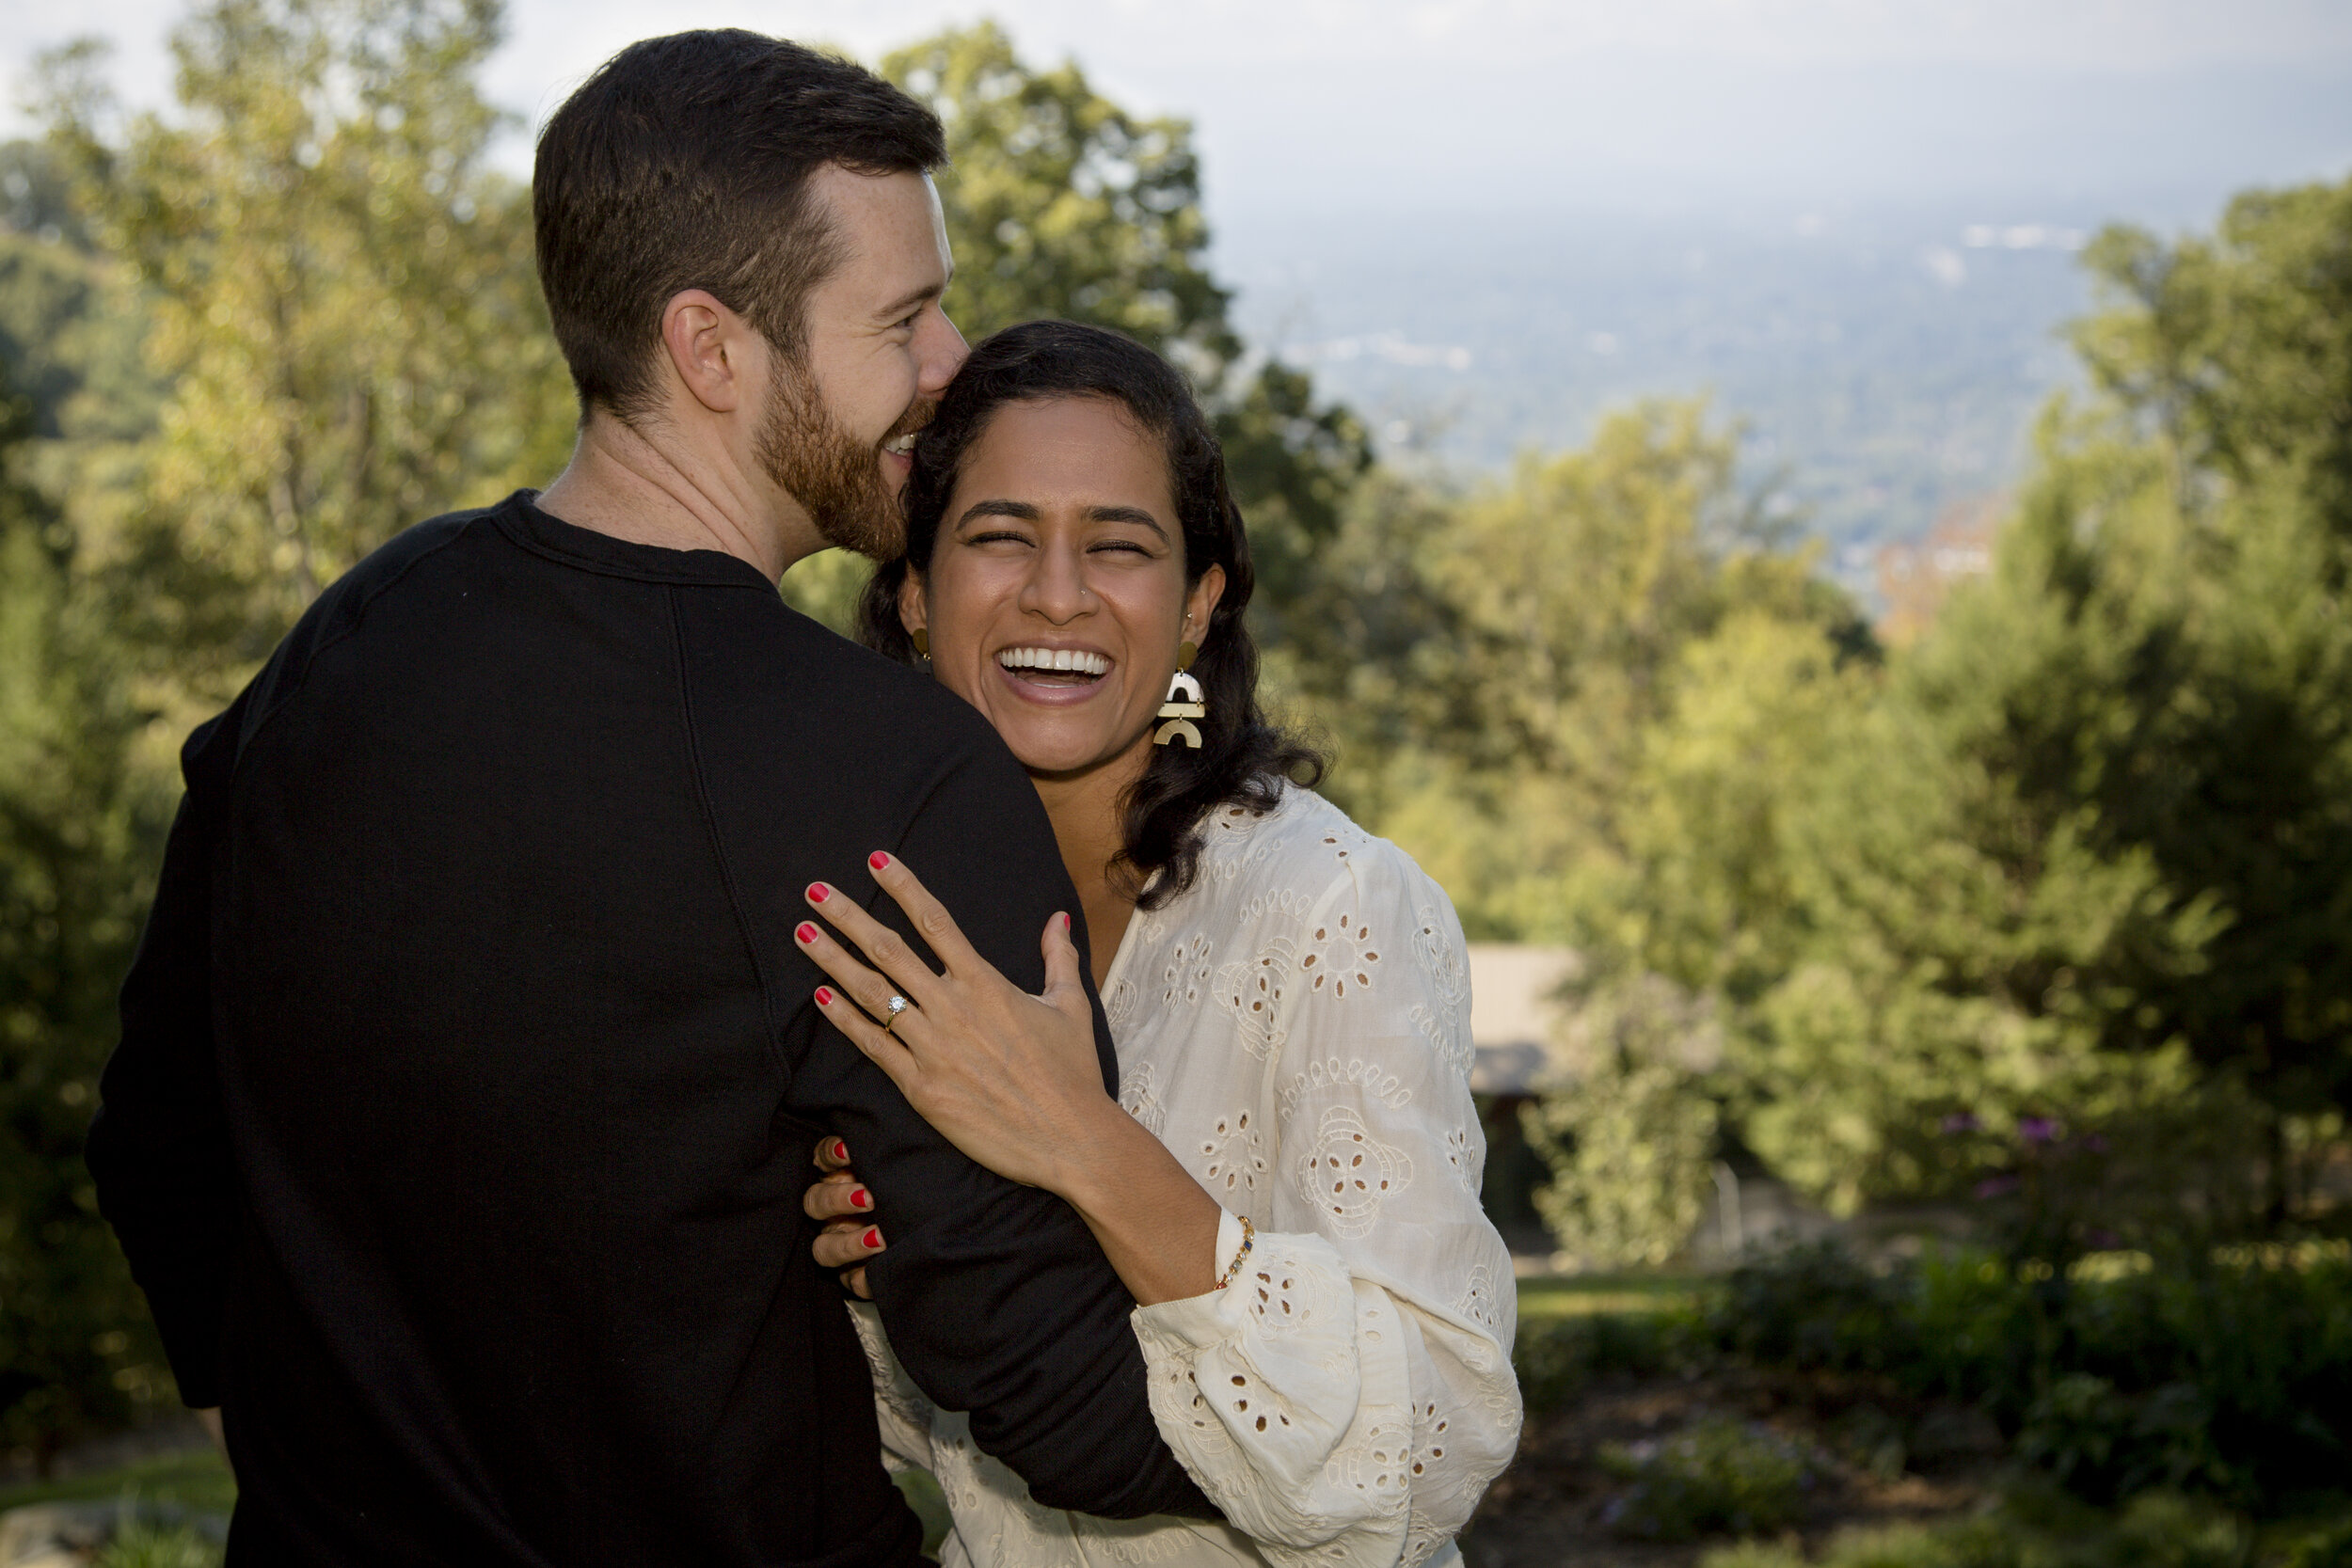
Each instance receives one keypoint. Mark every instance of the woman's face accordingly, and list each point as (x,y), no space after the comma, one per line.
(1055,596)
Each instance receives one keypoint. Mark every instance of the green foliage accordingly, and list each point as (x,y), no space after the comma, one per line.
(1630,1150)
(2226,1376)
(1491,664)
(1583,697)
(1717,1475)
(78,824)
(342,300)
(2031,1530)
(141,1545)
(2077,860)
(2134,730)
(1557,1360)
(2235,349)
(1061,204)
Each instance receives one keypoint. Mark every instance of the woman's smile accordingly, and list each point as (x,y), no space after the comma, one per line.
(1055,675)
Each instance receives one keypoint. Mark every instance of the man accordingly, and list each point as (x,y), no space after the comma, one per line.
(469,1071)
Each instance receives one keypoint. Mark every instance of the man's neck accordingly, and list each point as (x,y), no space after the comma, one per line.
(649,489)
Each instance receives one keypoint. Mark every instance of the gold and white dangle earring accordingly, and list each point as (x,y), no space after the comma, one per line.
(1185,700)
(922,639)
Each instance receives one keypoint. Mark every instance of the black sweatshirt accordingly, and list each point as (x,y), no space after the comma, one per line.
(470,1076)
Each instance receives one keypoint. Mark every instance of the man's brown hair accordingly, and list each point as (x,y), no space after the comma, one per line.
(684,163)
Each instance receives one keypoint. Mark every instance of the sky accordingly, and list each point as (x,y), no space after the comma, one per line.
(1426,105)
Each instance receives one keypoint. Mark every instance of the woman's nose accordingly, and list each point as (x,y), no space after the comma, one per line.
(1056,587)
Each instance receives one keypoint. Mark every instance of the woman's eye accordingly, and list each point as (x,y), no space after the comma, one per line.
(1129,545)
(1001,536)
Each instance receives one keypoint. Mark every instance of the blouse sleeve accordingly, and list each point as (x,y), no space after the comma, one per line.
(902,1410)
(1348,1397)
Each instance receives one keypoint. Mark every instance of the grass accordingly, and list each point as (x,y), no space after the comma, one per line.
(200,1481)
(1584,1295)
(196,1480)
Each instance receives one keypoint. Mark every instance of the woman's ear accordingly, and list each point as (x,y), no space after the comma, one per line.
(915,610)
(1201,602)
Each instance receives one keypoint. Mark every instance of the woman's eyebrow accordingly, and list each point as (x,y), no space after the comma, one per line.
(1022,510)
(1126,514)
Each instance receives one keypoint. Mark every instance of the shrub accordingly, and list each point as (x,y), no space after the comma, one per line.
(1557,1360)
(1717,1475)
(2037,1530)
(2228,1375)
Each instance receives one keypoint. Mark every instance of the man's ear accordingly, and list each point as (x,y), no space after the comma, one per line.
(708,345)
(915,610)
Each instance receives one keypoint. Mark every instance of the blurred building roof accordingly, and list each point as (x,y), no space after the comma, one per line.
(1516,1022)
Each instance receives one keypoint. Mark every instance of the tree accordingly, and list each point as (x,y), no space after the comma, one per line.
(2075,865)
(344,307)
(1489,664)
(79,822)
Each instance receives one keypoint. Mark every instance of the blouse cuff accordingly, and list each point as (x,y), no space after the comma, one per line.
(1211,1318)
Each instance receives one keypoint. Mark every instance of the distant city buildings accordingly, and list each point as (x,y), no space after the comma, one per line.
(1915,579)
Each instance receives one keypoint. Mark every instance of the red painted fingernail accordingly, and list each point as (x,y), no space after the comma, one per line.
(806,931)
(824,996)
(873,1237)
(878,859)
(816,893)
(1065,922)
(841,1151)
(861,1198)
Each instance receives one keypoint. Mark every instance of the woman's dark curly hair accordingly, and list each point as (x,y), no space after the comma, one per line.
(1243,758)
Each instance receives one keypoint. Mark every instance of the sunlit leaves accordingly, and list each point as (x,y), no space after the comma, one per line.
(344,301)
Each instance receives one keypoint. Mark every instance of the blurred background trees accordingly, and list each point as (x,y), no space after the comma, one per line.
(2042,916)
(340,305)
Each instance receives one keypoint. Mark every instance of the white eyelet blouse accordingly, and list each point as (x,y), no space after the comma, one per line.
(1295,1029)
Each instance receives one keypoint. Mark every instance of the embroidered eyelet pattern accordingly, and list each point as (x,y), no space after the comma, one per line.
(1349,1174)
(1341,955)
(1379,1465)
(1119,1006)
(1235,1155)
(1462,1158)
(1188,972)
(1374,1080)
(1441,960)
(1253,993)
(1138,1097)
(1477,1300)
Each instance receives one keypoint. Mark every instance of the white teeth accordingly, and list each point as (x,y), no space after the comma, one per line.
(903,446)
(1075,660)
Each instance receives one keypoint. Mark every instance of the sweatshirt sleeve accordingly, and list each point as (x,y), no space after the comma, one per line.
(995,1295)
(158,1148)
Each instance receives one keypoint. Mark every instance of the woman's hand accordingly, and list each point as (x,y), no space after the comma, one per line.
(846,1206)
(1011,1079)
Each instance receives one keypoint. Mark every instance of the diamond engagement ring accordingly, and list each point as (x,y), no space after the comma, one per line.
(891,1010)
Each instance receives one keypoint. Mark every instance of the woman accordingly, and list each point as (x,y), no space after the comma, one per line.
(1288,1180)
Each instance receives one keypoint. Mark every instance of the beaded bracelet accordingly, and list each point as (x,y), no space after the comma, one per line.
(1248,1238)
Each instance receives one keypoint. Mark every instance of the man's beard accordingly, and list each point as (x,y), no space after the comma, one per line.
(836,477)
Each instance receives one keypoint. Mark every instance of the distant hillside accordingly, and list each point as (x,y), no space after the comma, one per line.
(1888,363)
